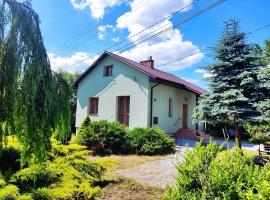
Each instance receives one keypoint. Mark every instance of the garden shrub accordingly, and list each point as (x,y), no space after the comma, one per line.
(9,192)
(34,177)
(69,174)
(103,136)
(259,133)
(205,175)
(149,141)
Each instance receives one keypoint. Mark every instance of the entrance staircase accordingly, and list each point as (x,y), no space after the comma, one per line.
(192,134)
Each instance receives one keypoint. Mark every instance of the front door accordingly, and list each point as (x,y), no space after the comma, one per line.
(185,116)
(123,110)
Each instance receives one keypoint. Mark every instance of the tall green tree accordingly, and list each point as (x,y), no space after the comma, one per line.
(70,78)
(259,128)
(232,95)
(264,84)
(27,86)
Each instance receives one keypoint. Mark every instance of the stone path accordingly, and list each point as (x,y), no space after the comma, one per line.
(156,173)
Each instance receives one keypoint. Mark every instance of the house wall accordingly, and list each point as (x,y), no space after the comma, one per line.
(126,81)
(161,95)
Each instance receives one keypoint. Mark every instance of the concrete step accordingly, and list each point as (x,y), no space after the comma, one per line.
(192,134)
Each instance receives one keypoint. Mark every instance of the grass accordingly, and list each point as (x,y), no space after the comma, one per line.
(127,189)
(248,153)
(115,187)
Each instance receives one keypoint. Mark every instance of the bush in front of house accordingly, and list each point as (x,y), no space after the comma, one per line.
(103,136)
(112,137)
(206,175)
(149,141)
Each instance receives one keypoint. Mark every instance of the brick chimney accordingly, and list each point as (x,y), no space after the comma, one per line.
(148,63)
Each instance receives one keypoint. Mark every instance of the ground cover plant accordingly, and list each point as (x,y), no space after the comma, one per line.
(67,174)
(206,175)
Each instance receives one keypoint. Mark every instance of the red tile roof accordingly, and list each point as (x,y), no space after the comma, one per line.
(153,73)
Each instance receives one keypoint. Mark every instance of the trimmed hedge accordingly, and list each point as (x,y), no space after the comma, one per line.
(112,137)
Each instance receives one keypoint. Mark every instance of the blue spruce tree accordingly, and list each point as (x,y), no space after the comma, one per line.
(231,95)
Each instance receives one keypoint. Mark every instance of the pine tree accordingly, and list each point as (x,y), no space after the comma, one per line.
(231,96)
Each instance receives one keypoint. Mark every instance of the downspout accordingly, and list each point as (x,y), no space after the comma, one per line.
(151,104)
(197,99)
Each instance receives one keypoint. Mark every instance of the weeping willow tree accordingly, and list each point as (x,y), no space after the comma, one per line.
(29,93)
(63,115)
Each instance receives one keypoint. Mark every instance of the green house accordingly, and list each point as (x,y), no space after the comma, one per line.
(136,94)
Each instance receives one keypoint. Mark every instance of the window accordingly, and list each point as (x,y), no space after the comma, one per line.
(123,110)
(170,107)
(108,70)
(93,106)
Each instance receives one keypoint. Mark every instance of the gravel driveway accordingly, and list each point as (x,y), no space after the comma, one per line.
(156,173)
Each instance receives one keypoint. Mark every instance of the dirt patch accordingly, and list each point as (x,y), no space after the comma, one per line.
(127,189)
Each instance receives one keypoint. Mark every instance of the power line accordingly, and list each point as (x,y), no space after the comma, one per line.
(207,48)
(81,35)
(137,33)
(152,25)
(178,24)
(179,59)
(258,29)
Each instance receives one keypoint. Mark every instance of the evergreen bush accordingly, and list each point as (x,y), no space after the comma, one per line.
(150,141)
(69,174)
(103,136)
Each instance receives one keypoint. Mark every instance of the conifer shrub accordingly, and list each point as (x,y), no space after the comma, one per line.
(34,177)
(103,136)
(150,141)
(9,192)
(69,174)
(206,175)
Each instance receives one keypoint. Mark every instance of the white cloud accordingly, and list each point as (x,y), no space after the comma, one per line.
(97,7)
(165,47)
(116,39)
(63,63)
(191,80)
(101,32)
(204,73)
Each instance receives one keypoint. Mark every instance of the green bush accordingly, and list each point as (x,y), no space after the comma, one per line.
(34,177)
(103,136)
(149,141)
(9,192)
(259,133)
(69,174)
(206,175)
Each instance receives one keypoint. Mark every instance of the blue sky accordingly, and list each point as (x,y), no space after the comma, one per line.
(98,24)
